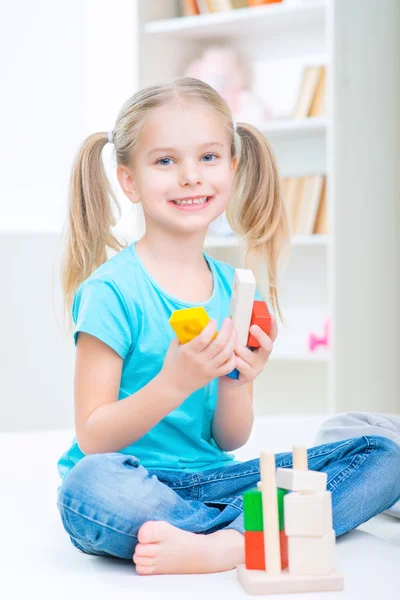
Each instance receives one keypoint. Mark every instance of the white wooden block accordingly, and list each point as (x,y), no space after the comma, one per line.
(308,514)
(301,481)
(242,299)
(300,459)
(270,513)
(312,555)
(258,582)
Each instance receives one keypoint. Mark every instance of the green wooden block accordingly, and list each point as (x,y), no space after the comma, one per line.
(281,494)
(252,507)
(253,512)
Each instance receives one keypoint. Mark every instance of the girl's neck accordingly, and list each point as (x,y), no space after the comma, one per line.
(178,266)
(183,254)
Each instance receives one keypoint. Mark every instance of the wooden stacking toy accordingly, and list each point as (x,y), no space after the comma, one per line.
(289,548)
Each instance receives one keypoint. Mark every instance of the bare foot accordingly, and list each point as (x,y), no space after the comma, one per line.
(163,548)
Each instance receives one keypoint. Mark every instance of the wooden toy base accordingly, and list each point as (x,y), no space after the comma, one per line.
(258,582)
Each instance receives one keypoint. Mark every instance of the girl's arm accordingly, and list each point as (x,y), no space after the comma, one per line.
(234,416)
(102,423)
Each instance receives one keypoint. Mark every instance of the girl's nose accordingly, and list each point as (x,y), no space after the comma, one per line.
(190,175)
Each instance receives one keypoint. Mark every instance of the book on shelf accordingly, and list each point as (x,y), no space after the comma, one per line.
(311,97)
(188,8)
(197,7)
(321,220)
(317,108)
(292,191)
(308,208)
(285,84)
(305,202)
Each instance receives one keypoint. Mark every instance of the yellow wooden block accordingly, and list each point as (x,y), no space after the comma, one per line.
(189,322)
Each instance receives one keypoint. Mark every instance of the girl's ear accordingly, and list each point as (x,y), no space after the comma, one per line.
(127,184)
(234,164)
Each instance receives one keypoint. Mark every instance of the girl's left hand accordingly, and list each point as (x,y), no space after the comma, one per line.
(250,363)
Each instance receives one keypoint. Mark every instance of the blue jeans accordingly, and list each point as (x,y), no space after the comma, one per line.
(105,498)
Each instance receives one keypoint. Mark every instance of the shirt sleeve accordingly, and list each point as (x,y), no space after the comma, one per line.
(258,295)
(100,309)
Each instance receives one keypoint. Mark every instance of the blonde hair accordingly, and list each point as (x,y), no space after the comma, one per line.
(255,212)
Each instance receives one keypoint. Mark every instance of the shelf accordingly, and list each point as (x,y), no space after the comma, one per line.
(292,342)
(210,241)
(299,145)
(310,240)
(294,127)
(322,356)
(243,22)
(234,242)
(315,284)
(32,231)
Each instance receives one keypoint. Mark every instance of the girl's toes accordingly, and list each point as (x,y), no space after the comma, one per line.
(145,570)
(145,549)
(143,561)
(147,533)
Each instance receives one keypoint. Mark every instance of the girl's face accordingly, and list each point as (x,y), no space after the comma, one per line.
(183,153)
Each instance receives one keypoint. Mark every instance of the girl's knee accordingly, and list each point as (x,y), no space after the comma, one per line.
(103,502)
(96,473)
(384,444)
(389,449)
(387,454)
(108,484)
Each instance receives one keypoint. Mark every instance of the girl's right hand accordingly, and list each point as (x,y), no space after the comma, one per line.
(189,367)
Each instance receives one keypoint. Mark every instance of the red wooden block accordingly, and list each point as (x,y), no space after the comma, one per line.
(259,316)
(284,549)
(254,550)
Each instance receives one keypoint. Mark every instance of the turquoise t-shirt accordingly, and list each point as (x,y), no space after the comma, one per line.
(123,306)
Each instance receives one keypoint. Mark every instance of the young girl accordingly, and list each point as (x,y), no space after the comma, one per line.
(150,475)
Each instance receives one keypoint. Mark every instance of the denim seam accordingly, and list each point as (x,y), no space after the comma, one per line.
(355,464)
(94,521)
(286,462)
(178,484)
(225,476)
(313,454)
(229,477)
(212,480)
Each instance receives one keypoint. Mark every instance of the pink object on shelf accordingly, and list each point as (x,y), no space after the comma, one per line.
(314,341)
(229,72)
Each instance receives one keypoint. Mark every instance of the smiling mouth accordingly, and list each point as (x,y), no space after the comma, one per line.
(193,206)
(192,202)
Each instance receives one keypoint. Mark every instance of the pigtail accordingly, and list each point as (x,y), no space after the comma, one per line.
(256,211)
(90,217)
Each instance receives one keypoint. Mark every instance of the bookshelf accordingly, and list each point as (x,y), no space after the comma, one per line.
(232,241)
(352,273)
(241,22)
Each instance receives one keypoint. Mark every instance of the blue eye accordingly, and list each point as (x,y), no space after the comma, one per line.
(168,158)
(210,154)
(160,159)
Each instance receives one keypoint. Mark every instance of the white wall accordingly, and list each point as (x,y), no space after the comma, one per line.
(67,67)
(43,84)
